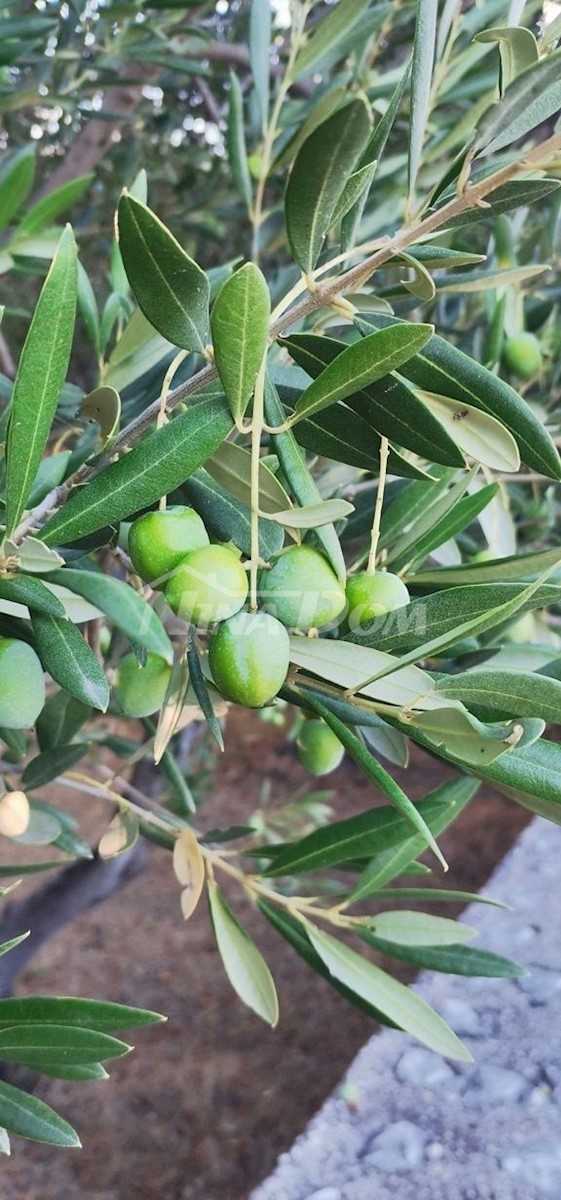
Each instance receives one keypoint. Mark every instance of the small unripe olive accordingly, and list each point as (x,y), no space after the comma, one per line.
(370,596)
(522,355)
(22,684)
(158,541)
(208,585)
(319,750)
(301,589)
(248,658)
(140,691)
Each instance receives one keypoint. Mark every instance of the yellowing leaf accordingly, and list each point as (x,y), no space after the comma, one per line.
(189,868)
(14,814)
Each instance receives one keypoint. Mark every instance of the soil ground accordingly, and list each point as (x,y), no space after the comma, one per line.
(206,1103)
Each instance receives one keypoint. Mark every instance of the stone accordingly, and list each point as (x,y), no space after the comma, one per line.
(326,1193)
(462,1017)
(539,1166)
(398,1148)
(423,1069)
(497,1085)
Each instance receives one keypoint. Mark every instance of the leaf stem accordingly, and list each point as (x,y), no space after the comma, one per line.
(375,532)
(256,434)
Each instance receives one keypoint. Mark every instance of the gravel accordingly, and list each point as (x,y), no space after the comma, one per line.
(407,1125)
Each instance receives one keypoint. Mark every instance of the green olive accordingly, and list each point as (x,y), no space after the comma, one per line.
(158,541)
(248,657)
(301,589)
(140,691)
(22,684)
(319,749)
(522,355)
(370,596)
(209,585)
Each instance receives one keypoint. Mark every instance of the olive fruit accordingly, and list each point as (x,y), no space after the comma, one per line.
(158,541)
(140,691)
(248,658)
(370,596)
(208,585)
(522,355)
(301,589)
(22,684)
(319,750)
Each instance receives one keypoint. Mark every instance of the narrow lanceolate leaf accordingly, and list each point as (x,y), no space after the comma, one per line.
(314,515)
(32,1118)
(40,376)
(441,368)
(478,434)
(32,593)
(451,960)
(327,34)
(372,155)
(302,483)
(421,74)
(101,1015)
(201,690)
(226,518)
(409,928)
(390,407)
(244,964)
(520,693)
(531,777)
(171,289)
(518,49)
(516,194)
(5,947)
(16,181)
(259,51)
(235,141)
(533,97)
(33,1045)
(319,175)
(189,868)
(363,363)
(103,405)
(159,464)
(128,611)
(51,206)
(70,661)
(239,324)
(404,1006)
(230,465)
(50,763)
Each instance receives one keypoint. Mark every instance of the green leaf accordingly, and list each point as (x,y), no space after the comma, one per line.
(43,827)
(52,470)
(480,281)
(200,688)
(347,436)
(128,611)
(313,515)
(376,831)
(441,368)
(60,720)
(51,206)
(13,942)
(459,517)
(295,933)
(405,1007)
(326,35)
(70,661)
(34,556)
(302,483)
(390,407)
(41,372)
(391,857)
(512,568)
(468,740)
(318,177)
(31,868)
(16,181)
(361,364)
(259,51)
(230,466)
(240,326)
(33,1045)
(452,960)
(424,47)
(479,435)
(450,613)
(376,773)
(518,193)
(518,49)
(532,98)
(356,185)
(103,406)
(158,465)
(405,927)
(171,289)
(520,693)
(31,1118)
(227,519)
(372,154)
(46,766)
(79,1074)
(347,665)
(235,141)
(386,741)
(101,1015)
(245,967)
(31,592)
(531,777)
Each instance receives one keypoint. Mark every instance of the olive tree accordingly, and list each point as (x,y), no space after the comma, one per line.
(296,480)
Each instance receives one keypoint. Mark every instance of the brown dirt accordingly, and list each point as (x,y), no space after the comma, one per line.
(207,1102)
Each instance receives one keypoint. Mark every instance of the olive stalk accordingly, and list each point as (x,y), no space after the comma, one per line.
(375,531)
(257,423)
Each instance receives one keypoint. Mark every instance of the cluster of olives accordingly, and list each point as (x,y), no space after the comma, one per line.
(248,651)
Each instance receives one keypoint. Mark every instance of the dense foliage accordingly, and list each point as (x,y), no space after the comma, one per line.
(280,463)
